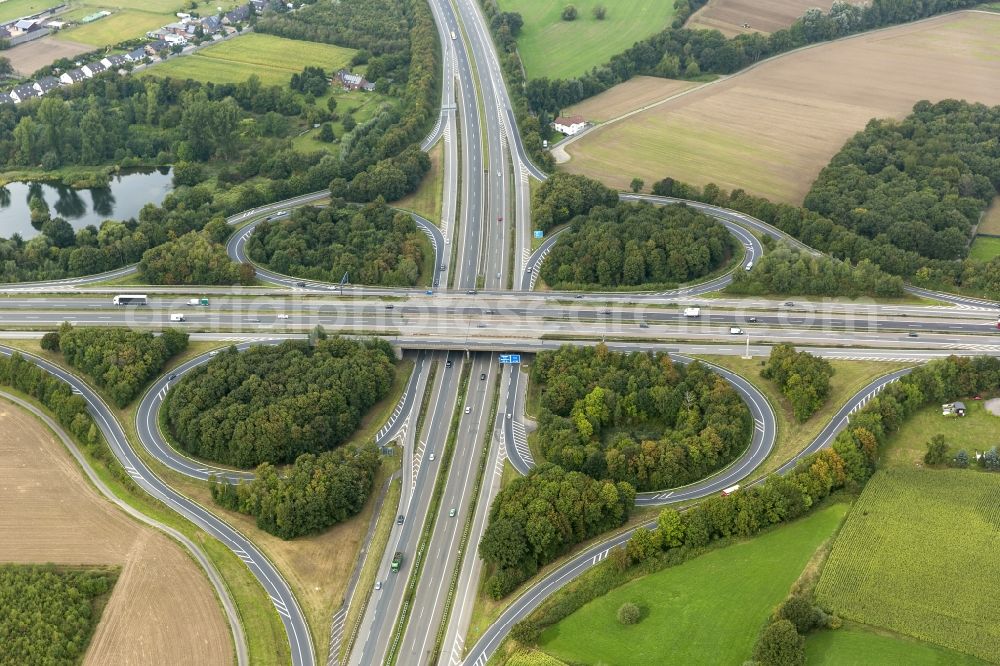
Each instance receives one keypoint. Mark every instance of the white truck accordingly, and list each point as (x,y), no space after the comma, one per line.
(197,301)
(692,312)
(176,317)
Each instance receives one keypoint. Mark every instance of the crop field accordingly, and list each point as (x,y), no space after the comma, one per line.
(634,94)
(27,58)
(728,592)
(917,556)
(771,129)
(273,59)
(162,610)
(978,429)
(128,24)
(728,16)
(561,49)
(856,646)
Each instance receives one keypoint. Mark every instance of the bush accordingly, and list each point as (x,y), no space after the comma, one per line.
(525,632)
(50,341)
(569,13)
(799,611)
(962,459)
(628,613)
(600,12)
(780,645)
(803,378)
(937,451)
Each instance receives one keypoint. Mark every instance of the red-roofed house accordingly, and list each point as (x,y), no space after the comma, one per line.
(570,125)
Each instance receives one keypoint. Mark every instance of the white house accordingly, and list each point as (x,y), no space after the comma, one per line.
(72,76)
(569,125)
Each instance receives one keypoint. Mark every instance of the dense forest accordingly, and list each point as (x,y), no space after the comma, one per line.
(119,360)
(788,270)
(274,403)
(682,53)
(49,614)
(634,245)
(564,196)
(194,258)
(802,378)
(637,417)
(919,185)
(540,516)
(373,244)
(316,492)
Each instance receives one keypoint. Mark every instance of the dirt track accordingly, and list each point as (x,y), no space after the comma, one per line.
(162,610)
(771,129)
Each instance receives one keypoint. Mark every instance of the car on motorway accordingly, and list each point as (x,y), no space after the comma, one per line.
(390,306)
(397,560)
(452,512)
(643,324)
(213,353)
(482,375)
(752,320)
(578,296)
(530,268)
(912,334)
(378,585)
(447,363)
(432,457)
(500,218)
(789,304)
(399,519)
(606,312)
(735,330)
(283,316)
(508,415)
(748,266)
(468,410)
(487,311)
(480,325)
(171,378)
(443,267)
(472,292)
(300,284)
(429,292)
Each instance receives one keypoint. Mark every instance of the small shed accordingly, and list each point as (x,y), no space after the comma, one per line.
(960,408)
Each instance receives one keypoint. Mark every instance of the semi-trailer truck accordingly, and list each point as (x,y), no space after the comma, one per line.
(397,560)
(198,301)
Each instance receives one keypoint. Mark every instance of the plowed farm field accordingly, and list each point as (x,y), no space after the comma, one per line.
(772,128)
(730,16)
(162,609)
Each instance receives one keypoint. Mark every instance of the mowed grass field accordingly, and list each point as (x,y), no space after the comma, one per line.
(917,556)
(978,429)
(985,248)
(561,49)
(729,16)
(120,26)
(705,611)
(273,59)
(771,129)
(12,9)
(857,646)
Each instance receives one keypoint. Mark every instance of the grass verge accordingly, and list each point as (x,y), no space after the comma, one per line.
(426,200)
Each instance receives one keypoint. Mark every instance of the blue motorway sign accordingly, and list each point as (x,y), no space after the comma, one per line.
(510,359)
(539,233)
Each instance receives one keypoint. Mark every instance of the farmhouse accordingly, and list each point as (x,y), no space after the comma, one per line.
(569,125)
(354,81)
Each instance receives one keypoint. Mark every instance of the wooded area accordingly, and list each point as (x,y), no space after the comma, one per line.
(49,614)
(682,53)
(193,259)
(372,244)
(787,270)
(119,360)
(637,244)
(564,196)
(316,492)
(540,516)
(803,378)
(636,417)
(272,403)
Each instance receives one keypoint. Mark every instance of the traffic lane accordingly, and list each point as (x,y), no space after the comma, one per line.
(406,404)
(442,551)
(407,536)
(520,463)
(278,590)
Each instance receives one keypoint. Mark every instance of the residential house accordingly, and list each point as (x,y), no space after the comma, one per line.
(72,76)
(23,93)
(178,28)
(155,46)
(172,39)
(569,125)
(114,62)
(211,25)
(92,69)
(45,84)
(238,14)
(258,6)
(354,81)
(136,56)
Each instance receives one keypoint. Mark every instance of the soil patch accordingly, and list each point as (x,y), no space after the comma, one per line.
(28,58)
(771,129)
(629,96)
(730,16)
(162,610)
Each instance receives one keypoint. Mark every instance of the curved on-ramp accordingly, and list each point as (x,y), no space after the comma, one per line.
(529,600)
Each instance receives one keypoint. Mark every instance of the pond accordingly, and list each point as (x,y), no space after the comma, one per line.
(123,198)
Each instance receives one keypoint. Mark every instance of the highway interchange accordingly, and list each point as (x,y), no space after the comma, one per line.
(483,248)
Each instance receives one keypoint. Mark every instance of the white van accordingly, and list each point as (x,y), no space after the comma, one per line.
(176,317)
(749,265)
(735,330)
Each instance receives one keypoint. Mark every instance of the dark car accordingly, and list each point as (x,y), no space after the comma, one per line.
(447,364)
(752,320)
(472,292)
(390,306)
(578,296)
(399,519)
(171,378)
(300,284)
(912,334)
(482,375)
(789,304)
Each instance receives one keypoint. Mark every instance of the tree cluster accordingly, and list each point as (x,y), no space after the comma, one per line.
(389,179)
(540,516)
(274,403)
(920,184)
(316,492)
(194,258)
(802,378)
(639,417)
(564,196)
(312,81)
(50,614)
(636,244)
(678,52)
(372,244)
(789,270)
(119,360)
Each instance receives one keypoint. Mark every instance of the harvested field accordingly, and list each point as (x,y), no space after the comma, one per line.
(634,94)
(728,16)
(162,610)
(772,128)
(28,58)
(990,224)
